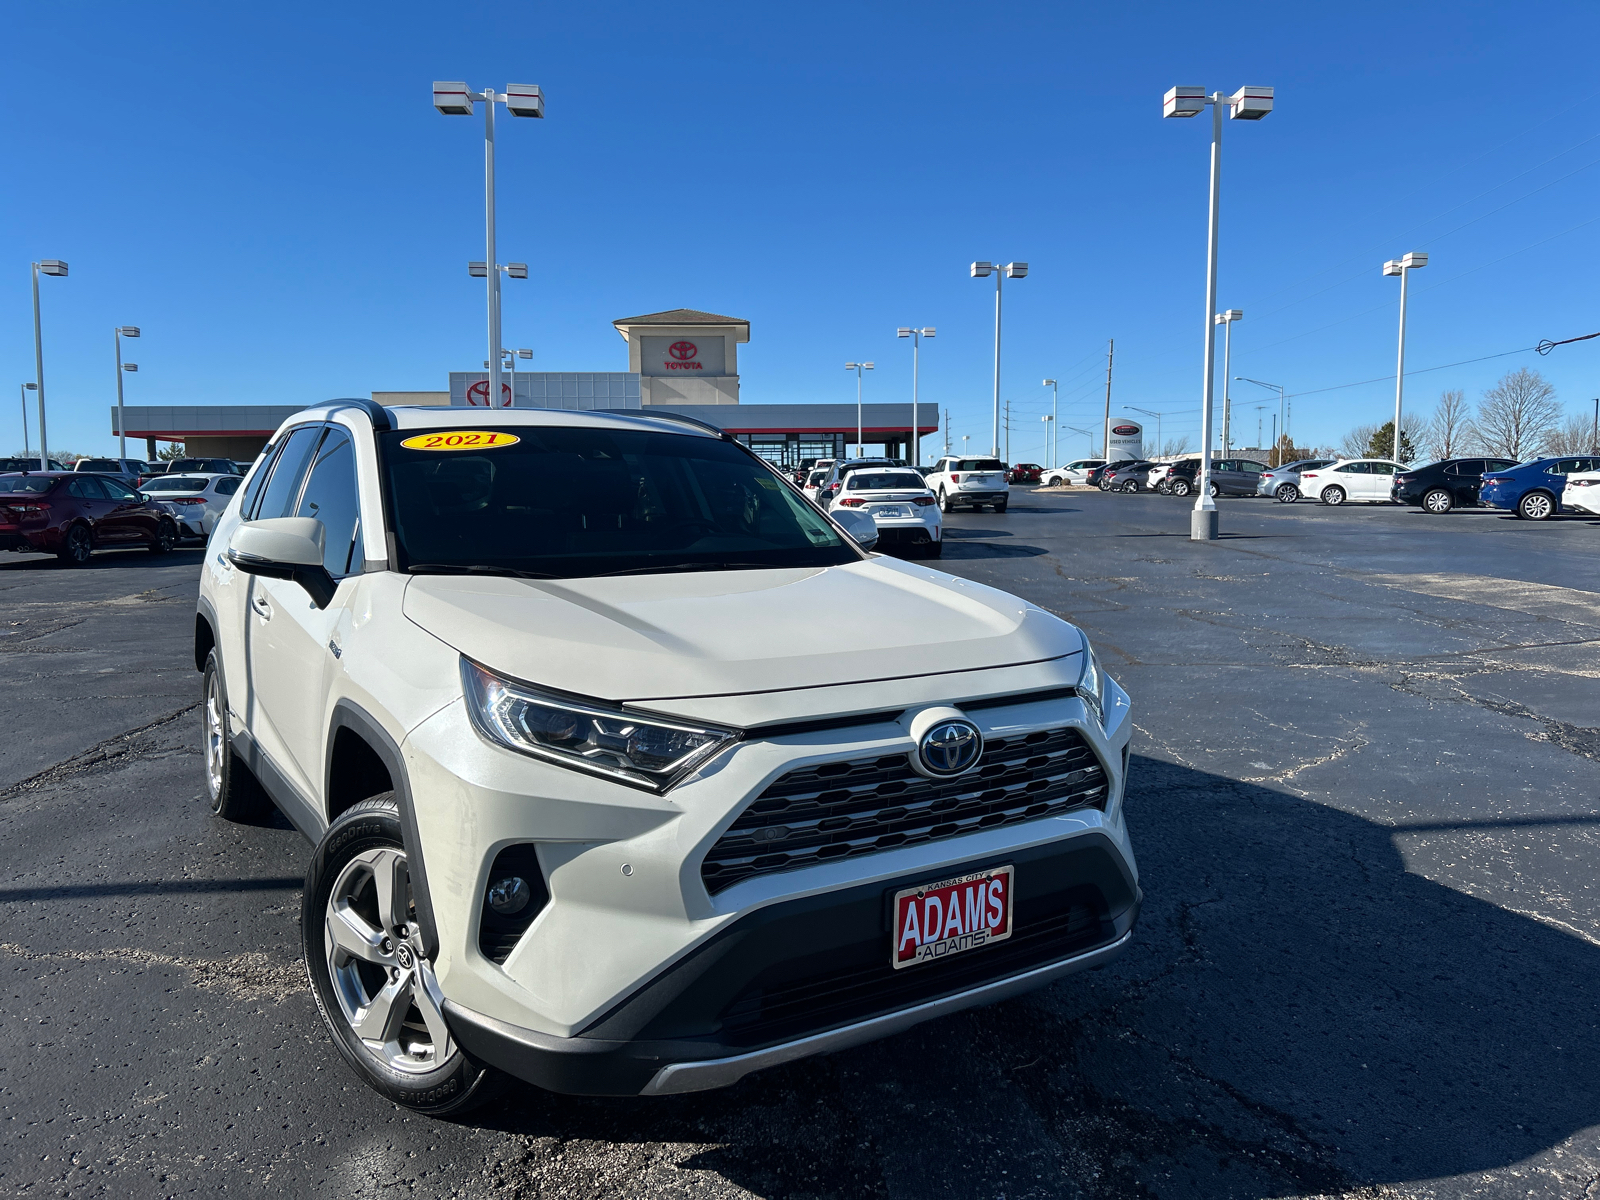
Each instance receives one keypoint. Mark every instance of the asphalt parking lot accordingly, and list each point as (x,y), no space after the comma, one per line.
(1364,798)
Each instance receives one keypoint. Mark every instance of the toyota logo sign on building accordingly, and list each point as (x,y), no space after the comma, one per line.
(682,351)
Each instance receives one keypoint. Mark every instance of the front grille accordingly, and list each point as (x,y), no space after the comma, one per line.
(865,805)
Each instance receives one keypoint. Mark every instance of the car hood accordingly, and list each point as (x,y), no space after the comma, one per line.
(644,637)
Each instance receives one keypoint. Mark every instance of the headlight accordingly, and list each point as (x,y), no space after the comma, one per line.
(1092,683)
(588,735)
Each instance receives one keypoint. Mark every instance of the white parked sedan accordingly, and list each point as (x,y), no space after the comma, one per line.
(1582,491)
(814,482)
(1073,473)
(195,501)
(900,504)
(1350,479)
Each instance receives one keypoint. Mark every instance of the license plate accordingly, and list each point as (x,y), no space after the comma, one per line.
(891,510)
(937,920)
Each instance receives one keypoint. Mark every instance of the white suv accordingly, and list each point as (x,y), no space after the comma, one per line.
(975,482)
(604,793)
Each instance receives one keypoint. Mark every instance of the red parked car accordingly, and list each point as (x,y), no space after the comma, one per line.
(71,514)
(1024,473)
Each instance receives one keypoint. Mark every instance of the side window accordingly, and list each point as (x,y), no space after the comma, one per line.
(1381,468)
(260,477)
(1500,464)
(229,485)
(86,488)
(116,490)
(278,497)
(330,497)
(1247,465)
(1355,468)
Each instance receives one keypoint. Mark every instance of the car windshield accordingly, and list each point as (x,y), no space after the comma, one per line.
(861,481)
(176,483)
(978,464)
(99,464)
(568,502)
(26,483)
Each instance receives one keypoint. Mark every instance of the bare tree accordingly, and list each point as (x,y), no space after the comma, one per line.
(1354,444)
(1518,415)
(1175,446)
(1449,432)
(1575,436)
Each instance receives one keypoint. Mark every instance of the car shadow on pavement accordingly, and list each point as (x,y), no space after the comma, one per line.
(1298,1013)
(962,551)
(107,560)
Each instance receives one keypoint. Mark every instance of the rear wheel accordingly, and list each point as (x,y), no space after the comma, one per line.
(1287,493)
(1130,486)
(1536,506)
(1105,484)
(1164,488)
(944,502)
(1333,495)
(233,792)
(1438,501)
(76,547)
(1001,507)
(1211,489)
(1181,487)
(933,550)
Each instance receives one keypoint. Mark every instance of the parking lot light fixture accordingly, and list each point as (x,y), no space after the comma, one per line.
(454,99)
(1250,103)
(1226,320)
(1149,412)
(858,367)
(1055,414)
(1087,433)
(1283,415)
(123,331)
(26,388)
(1402,266)
(1011,270)
(916,336)
(55,267)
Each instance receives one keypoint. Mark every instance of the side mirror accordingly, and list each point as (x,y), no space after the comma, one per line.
(858,525)
(285,548)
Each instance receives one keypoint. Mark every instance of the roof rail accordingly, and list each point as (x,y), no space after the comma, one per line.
(667,416)
(379,414)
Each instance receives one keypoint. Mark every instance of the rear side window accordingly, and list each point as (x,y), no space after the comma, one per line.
(1356,468)
(87,488)
(228,485)
(283,489)
(330,497)
(116,490)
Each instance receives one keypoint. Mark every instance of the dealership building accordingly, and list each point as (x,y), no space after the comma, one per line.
(681,361)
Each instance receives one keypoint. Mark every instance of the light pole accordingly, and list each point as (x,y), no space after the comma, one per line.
(858,367)
(1087,433)
(480,270)
(1594,438)
(1011,270)
(49,266)
(122,331)
(1226,320)
(509,358)
(521,100)
(1249,104)
(916,336)
(1402,266)
(1055,415)
(1150,412)
(1283,417)
(1049,436)
(25,389)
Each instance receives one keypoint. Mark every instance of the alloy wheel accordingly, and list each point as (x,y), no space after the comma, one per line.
(1333,495)
(1537,506)
(1287,493)
(383,984)
(1180,487)
(79,546)
(216,742)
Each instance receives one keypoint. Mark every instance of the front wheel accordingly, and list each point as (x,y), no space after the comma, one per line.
(1536,506)
(373,984)
(76,547)
(166,537)
(1438,501)
(1105,485)
(1333,496)
(1287,493)
(1181,487)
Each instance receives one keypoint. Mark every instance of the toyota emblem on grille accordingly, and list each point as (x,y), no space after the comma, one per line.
(951,747)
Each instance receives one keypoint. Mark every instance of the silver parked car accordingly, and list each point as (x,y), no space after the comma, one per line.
(195,501)
(1283,483)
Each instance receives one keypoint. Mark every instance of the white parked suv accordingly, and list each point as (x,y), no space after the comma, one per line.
(629,771)
(974,482)
(1074,472)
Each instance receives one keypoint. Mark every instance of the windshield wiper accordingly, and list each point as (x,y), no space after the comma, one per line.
(474,569)
(688,566)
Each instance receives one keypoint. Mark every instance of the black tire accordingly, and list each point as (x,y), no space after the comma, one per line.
(1333,495)
(1164,488)
(1105,484)
(1180,488)
(166,538)
(1537,506)
(933,550)
(1211,488)
(1130,487)
(234,793)
(76,546)
(458,1082)
(1437,501)
(944,502)
(1286,493)
(1001,507)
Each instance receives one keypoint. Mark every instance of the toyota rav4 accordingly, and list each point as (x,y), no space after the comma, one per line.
(630,772)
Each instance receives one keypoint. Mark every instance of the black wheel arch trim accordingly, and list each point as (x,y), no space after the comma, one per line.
(349,715)
(207,612)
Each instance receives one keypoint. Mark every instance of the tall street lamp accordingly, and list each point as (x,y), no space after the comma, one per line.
(1402,267)
(1011,270)
(916,336)
(47,266)
(1283,416)
(25,389)
(1247,104)
(1055,415)
(521,100)
(858,367)
(480,270)
(122,331)
(1150,412)
(1087,433)
(1226,320)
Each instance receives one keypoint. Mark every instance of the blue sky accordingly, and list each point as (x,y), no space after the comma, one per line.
(268,192)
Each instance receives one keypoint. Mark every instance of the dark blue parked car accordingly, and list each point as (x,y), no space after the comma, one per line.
(1533,490)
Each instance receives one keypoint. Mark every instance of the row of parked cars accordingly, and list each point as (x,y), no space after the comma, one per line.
(1533,490)
(106,503)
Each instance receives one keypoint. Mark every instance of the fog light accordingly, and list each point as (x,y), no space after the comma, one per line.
(509,895)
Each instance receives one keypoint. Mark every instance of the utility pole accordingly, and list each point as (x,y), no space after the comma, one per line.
(1111,350)
(947,433)
(1008,432)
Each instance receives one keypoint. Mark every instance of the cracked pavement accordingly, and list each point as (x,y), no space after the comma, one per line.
(1364,801)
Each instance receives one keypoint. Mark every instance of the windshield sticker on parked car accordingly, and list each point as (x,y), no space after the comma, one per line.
(461,439)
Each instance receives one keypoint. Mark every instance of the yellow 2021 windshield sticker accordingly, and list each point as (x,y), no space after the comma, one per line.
(462,439)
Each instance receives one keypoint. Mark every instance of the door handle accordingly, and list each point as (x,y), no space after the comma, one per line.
(263,609)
